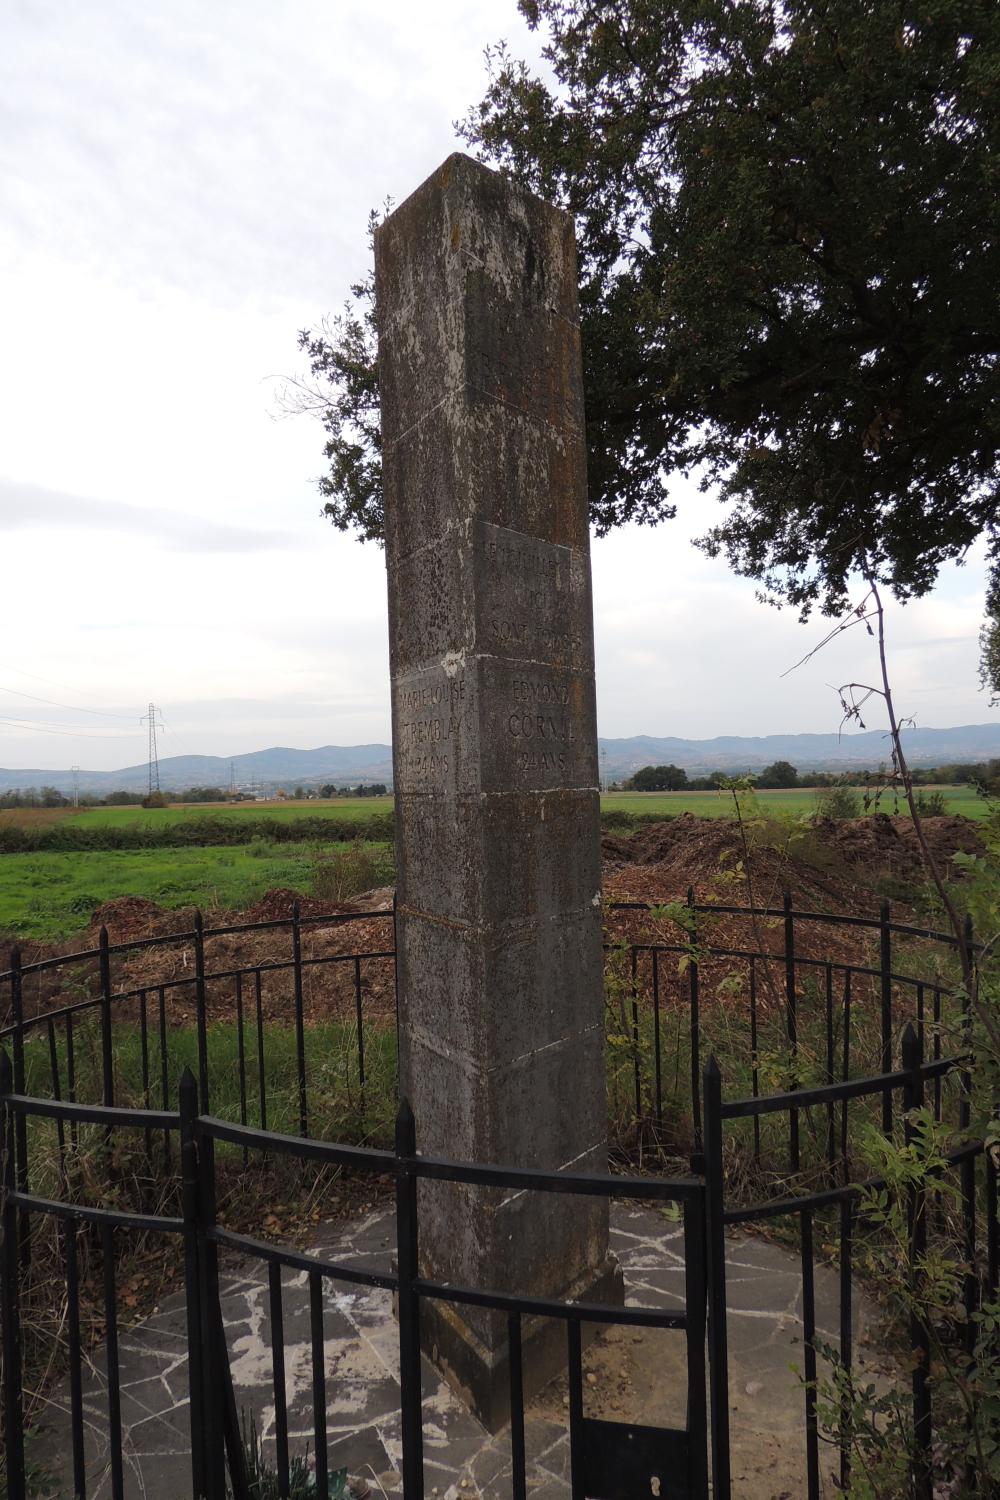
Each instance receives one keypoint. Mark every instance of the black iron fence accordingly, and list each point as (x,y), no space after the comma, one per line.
(274,1039)
(676,1458)
(813,1048)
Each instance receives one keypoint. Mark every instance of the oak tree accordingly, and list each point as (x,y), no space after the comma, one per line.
(789,227)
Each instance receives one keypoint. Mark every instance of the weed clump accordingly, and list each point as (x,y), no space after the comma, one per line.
(348,872)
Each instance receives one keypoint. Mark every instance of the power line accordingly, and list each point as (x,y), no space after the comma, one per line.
(66,687)
(71,734)
(101,713)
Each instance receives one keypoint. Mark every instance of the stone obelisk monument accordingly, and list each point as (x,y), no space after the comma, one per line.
(494,750)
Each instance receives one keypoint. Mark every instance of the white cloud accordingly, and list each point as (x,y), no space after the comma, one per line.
(185,186)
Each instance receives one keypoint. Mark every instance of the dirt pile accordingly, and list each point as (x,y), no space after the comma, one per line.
(832,866)
(710,856)
(889,845)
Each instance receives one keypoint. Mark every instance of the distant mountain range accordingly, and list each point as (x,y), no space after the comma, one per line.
(364,764)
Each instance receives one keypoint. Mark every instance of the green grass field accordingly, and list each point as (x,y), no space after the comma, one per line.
(53,895)
(352,808)
(958,799)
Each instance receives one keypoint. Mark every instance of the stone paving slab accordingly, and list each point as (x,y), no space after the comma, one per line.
(631,1375)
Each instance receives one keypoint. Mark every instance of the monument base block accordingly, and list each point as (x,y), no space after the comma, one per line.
(481,1375)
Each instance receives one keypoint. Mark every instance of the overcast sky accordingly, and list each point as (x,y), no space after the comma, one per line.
(182,187)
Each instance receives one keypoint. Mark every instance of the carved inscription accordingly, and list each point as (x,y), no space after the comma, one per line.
(428,718)
(541,725)
(532,596)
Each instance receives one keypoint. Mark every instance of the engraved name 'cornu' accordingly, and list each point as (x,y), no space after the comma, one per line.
(541,727)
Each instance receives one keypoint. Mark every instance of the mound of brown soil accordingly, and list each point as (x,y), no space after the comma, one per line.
(888,845)
(825,864)
(131,918)
(711,856)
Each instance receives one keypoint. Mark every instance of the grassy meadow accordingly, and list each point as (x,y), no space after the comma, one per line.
(53,895)
(353,809)
(798,801)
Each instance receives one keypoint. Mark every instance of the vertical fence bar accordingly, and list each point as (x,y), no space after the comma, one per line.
(144,1055)
(634,991)
(754,1056)
(791,1028)
(992,1229)
(936,1012)
(57,1094)
(831,1144)
(212,1331)
(19,1149)
(921,1020)
(916,1213)
(845,1074)
(13,1410)
(200,1010)
(71,1078)
(695,1293)
(718,1349)
(107,1054)
(574,1341)
(300,1035)
(111,1358)
(261,1065)
(318,1380)
(657,1057)
(164,1069)
(695,1024)
(278,1376)
(241,1051)
(846,1327)
(360,1022)
(970,1280)
(188,1108)
(809,1352)
(885,983)
(409,1304)
(75,1359)
(519,1487)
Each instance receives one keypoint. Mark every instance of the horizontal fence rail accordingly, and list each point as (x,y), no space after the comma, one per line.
(245,1025)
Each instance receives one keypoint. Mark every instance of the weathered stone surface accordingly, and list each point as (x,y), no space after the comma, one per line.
(494,740)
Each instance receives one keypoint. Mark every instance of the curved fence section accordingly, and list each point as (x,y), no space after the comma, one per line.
(932,1214)
(800,1067)
(291,1024)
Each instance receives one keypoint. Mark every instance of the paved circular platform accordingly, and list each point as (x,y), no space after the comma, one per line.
(632,1375)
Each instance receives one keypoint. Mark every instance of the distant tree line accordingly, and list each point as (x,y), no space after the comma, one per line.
(50,796)
(377,789)
(781,775)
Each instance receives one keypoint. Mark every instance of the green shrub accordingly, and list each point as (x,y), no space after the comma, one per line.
(839,802)
(187,833)
(931,804)
(617,817)
(348,872)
